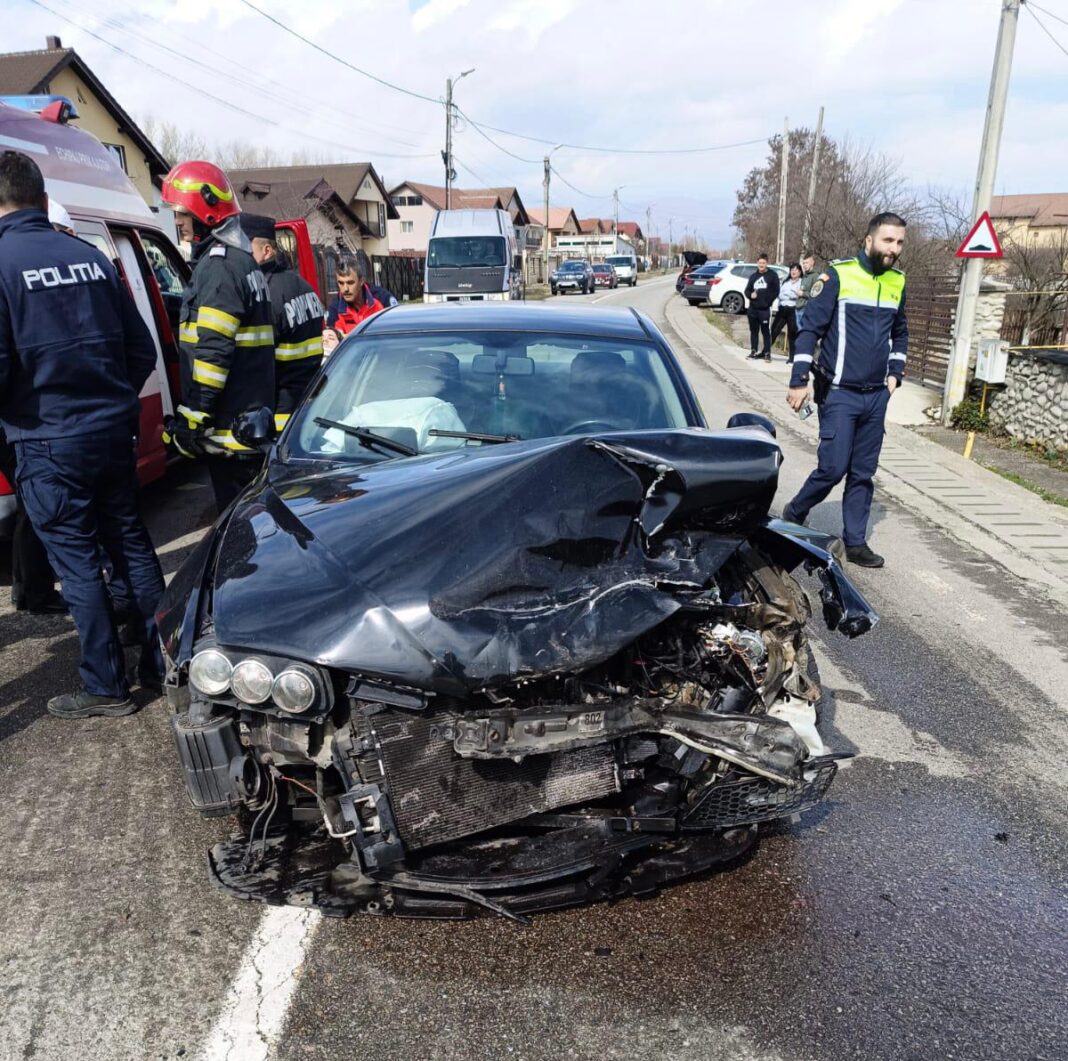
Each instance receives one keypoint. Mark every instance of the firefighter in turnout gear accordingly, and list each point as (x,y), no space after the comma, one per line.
(226,335)
(298,318)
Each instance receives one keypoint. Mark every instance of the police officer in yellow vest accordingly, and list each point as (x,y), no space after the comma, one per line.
(858,317)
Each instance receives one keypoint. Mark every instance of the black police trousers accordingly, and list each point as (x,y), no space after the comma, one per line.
(81,496)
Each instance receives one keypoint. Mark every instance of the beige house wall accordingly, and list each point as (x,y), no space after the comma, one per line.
(96,119)
(365,206)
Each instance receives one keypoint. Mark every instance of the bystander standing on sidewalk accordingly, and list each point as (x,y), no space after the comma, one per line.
(761,292)
(786,314)
(809,277)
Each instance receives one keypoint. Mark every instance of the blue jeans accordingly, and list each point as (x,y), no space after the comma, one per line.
(852,426)
(81,496)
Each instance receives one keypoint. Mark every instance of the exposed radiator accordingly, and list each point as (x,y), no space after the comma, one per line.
(439,796)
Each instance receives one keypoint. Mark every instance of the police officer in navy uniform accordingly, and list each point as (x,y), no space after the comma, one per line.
(74,355)
(298,318)
(858,318)
(226,336)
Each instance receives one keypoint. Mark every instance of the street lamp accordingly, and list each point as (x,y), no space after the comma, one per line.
(450,173)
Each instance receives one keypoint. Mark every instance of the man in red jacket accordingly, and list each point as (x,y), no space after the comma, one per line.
(358,300)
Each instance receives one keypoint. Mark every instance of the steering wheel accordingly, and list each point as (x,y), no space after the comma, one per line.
(593,427)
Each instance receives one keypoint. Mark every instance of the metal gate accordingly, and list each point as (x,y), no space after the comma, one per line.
(931,303)
(401,275)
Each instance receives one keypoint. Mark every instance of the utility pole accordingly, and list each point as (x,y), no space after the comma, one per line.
(967,300)
(545,241)
(784,167)
(671,240)
(448,145)
(805,248)
(615,198)
(446,155)
(648,231)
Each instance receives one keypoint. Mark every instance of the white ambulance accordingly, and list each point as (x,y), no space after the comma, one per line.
(107,211)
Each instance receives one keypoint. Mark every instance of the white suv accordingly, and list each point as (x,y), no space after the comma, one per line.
(727,288)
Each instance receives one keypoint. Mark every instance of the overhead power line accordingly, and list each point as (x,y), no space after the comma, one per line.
(481,126)
(204,92)
(1045,29)
(337,58)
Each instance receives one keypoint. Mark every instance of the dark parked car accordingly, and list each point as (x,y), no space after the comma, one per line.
(572,276)
(693,259)
(696,286)
(500,627)
(604,275)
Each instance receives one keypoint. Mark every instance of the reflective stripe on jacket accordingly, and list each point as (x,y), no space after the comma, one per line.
(859,320)
(226,335)
(298,334)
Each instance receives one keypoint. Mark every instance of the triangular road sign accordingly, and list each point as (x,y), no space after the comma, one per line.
(982,241)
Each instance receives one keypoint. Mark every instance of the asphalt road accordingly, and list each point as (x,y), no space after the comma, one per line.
(920,914)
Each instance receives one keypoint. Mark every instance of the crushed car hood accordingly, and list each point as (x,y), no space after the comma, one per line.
(451,572)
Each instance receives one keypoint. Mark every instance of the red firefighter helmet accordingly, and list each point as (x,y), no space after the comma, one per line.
(203,190)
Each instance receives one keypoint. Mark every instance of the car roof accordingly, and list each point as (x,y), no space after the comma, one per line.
(507,316)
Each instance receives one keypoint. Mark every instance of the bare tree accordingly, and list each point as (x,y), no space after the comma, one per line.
(1038,272)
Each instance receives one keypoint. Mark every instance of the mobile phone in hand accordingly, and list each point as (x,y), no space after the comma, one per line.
(806,411)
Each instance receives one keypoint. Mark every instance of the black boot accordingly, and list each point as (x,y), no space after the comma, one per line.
(83,705)
(862,556)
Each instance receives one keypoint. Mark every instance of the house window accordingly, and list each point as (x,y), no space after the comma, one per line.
(381,219)
(407,226)
(120,155)
(407,200)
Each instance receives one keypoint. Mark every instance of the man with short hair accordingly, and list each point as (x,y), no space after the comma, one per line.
(761,291)
(809,275)
(298,318)
(357,299)
(74,355)
(858,317)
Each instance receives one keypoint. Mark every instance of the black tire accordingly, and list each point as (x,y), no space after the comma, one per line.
(733,302)
(694,301)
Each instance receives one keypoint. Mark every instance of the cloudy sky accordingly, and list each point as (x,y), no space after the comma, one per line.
(907,77)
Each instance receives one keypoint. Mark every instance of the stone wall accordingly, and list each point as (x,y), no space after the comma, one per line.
(1033,405)
(989,313)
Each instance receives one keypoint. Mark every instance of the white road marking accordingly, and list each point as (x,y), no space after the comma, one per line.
(254,1012)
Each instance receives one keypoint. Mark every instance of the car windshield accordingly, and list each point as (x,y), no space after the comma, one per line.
(707,270)
(620,260)
(572,267)
(602,268)
(466,252)
(429,391)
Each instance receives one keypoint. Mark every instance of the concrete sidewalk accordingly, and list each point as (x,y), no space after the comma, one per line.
(1011,525)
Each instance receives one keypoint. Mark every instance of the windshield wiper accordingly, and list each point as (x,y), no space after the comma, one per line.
(474,436)
(369,438)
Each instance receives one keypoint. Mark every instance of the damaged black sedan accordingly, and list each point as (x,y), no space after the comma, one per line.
(502,627)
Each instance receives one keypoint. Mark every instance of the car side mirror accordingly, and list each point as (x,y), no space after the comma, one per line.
(751,420)
(255,429)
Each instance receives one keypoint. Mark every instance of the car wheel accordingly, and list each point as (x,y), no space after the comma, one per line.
(552,290)
(694,301)
(733,302)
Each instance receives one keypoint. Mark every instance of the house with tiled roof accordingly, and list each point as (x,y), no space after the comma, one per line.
(1037,219)
(417,203)
(346,202)
(59,71)
(562,220)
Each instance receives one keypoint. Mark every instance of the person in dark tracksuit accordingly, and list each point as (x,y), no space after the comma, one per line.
(74,355)
(298,318)
(761,291)
(858,317)
(226,336)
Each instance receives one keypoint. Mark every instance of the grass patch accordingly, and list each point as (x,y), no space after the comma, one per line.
(719,321)
(1019,480)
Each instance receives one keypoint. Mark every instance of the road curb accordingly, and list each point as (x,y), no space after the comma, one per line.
(974,506)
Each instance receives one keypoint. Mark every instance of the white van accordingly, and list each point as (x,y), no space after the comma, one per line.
(472,256)
(108,212)
(626,267)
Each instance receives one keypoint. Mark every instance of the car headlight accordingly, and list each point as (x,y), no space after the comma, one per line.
(251,681)
(293,690)
(210,672)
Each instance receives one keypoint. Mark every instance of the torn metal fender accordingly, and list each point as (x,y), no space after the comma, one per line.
(790,545)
